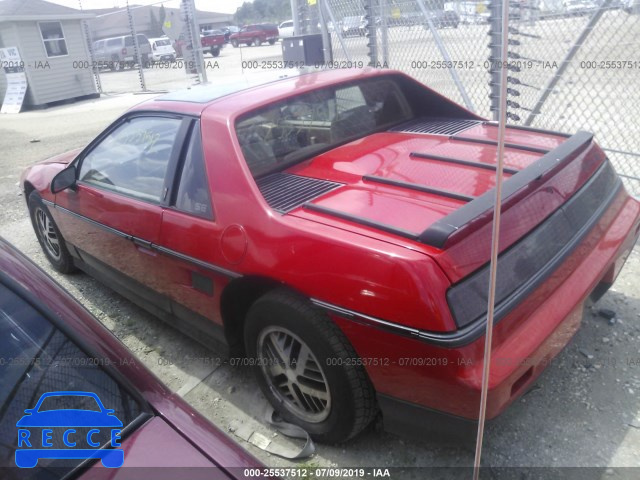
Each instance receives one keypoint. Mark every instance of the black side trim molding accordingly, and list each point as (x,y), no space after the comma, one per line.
(147,244)
(418,187)
(439,232)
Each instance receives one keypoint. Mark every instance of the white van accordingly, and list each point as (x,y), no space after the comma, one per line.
(162,50)
(285,29)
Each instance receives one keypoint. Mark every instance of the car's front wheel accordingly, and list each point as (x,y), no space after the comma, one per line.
(306,367)
(49,236)
(234,43)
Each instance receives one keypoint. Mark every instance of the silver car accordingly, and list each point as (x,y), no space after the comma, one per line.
(117,53)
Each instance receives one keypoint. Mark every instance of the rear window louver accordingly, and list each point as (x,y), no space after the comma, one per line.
(436,126)
(284,192)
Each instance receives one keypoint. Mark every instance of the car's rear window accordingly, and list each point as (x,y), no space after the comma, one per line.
(281,134)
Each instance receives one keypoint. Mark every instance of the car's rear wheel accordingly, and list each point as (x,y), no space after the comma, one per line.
(234,43)
(256,42)
(215,51)
(307,368)
(272,41)
(49,236)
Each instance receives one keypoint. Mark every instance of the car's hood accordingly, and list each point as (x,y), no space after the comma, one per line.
(159,448)
(408,181)
(63,158)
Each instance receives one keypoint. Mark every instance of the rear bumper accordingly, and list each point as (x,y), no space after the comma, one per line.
(448,379)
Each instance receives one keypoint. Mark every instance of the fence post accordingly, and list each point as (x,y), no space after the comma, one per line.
(495,34)
(136,48)
(372,44)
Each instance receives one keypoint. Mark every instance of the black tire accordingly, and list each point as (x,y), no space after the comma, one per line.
(215,51)
(349,402)
(272,41)
(234,43)
(49,237)
(256,42)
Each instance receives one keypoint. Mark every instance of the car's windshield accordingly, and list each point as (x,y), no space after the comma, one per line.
(69,402)
(292,130)
(40,358)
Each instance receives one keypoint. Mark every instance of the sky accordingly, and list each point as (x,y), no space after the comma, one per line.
(222,6)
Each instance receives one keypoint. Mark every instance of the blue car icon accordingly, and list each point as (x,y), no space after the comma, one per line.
(96,417)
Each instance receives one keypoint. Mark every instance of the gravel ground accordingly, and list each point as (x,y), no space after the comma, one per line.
(583,411)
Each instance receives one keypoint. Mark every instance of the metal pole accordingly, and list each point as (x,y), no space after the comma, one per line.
(546,91)
(94,68)
(372,43)
(335,29)
(294,15)
(447,57)
(326,37)
(136,48)
(200,54)
(384,32)
(495,237)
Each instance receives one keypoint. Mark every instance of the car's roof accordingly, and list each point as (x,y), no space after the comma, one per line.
(238,92)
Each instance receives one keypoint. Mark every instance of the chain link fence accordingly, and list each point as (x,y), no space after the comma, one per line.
(572,64)
(131,65)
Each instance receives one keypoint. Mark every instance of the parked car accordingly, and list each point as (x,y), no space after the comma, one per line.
(255,35)
(443,19)
(119,52)
(162,50)
(68,370)
(228,31)
(337,227)
(353,26)
(285,29)
(212,40)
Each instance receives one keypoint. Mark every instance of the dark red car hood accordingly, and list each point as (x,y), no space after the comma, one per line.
(157,443)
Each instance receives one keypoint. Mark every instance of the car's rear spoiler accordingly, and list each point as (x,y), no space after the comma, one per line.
(480,210)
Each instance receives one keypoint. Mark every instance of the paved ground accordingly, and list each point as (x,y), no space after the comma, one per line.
(583,411)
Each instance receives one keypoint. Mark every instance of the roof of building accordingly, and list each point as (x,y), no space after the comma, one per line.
(16,10)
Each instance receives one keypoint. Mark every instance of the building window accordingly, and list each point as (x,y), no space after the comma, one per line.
(53,39)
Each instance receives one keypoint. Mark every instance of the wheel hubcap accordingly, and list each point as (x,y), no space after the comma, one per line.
(294,374)
(48,234)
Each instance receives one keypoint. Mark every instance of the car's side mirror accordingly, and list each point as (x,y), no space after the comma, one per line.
(64,179)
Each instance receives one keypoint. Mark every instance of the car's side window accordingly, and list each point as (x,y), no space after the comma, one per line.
(134,158)
(193,189)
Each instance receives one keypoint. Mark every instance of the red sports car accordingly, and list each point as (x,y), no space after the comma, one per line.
(61,369)
(336,226)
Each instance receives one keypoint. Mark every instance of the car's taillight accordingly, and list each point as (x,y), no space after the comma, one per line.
(525,265)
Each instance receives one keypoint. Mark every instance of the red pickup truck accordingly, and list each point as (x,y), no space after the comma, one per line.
(212,40)
(255,35)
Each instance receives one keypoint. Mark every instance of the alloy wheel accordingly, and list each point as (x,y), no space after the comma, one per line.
(293,374)
(48,234)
